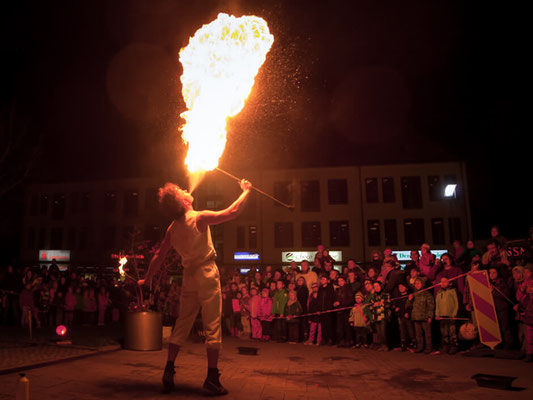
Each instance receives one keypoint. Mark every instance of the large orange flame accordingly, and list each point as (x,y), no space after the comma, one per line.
(219,67)
(122,262)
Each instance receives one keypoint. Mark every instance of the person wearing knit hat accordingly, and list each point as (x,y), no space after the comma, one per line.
(360,318)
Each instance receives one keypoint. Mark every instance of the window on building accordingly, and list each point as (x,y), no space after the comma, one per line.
(310,191)
(414,231)
(152,233)
(252,237)
(371,187)
(311,234)
(31,238)
(435,188)
(283,192)
(34,205)
(411,192)
(240,237)
(374,235)
(455,229)
(58,206)
(437,230)
(84,238)
(387,186)
(251,205)
(74,202)
(71,239)
(391,232)
(85,202)
(339,233)
(283,234)
(337,191)
(131,203)
(43,207)
(108,237)
(452,180)
(42,238)
(217,204)
(128,237)
(110,202)
(151,199)
(56,238)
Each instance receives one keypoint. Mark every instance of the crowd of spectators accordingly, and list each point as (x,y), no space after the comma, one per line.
(379,305)
(384,305)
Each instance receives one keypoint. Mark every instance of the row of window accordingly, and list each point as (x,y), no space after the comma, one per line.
(414,231)
(78,237)
(413,228)
(411,187)
(81,203)
(284,234)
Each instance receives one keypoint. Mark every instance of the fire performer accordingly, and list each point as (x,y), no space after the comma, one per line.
(190,236)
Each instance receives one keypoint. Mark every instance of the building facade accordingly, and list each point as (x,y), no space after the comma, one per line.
(351,210)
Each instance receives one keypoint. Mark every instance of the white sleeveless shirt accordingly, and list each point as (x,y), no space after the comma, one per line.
(194,247)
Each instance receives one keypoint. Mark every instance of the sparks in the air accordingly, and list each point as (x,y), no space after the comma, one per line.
(219,67)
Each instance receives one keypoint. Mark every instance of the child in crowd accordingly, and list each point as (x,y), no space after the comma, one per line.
(292,310)
(422,304)
(278,310)
(380,308)
(255,323)
(245,312)
(403,312)
(446,308)
(236,314)
(360,318)
(315,327)
(265,314)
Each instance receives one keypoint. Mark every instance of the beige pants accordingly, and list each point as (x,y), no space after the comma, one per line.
(200,288)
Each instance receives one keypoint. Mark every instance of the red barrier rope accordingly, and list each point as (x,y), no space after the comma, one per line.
(365,304)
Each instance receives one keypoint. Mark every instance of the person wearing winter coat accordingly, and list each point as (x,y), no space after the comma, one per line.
(278,310)
(449,271)
(500,294)
(326,298)
(446,308)
(293,309)
(265,314)
(380,309)
(426,264)
(524,308)
(422,306)
(343,298)
(313,307)
(403,312)
(360,317)
(255,323)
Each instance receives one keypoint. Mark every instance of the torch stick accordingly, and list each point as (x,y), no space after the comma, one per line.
(290,207)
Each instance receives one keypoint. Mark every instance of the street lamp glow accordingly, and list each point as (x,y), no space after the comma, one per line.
(449,190)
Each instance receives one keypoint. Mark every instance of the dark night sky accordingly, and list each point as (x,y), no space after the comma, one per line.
(346,82)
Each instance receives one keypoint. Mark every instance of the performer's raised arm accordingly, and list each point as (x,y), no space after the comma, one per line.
(157,260)
(208,217)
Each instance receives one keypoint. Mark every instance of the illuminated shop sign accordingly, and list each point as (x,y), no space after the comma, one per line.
(246,256)
(128,256)
(299,256)
(405,255)
(59,255)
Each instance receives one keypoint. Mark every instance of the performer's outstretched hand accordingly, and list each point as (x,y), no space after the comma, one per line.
(245,185)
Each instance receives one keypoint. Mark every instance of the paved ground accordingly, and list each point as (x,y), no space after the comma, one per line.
(280,371)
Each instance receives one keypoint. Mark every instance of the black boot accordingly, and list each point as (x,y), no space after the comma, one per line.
(212,383)
(168,378)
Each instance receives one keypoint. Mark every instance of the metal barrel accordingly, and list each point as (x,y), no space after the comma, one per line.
(143,331)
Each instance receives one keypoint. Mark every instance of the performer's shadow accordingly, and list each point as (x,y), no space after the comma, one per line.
(140,389)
